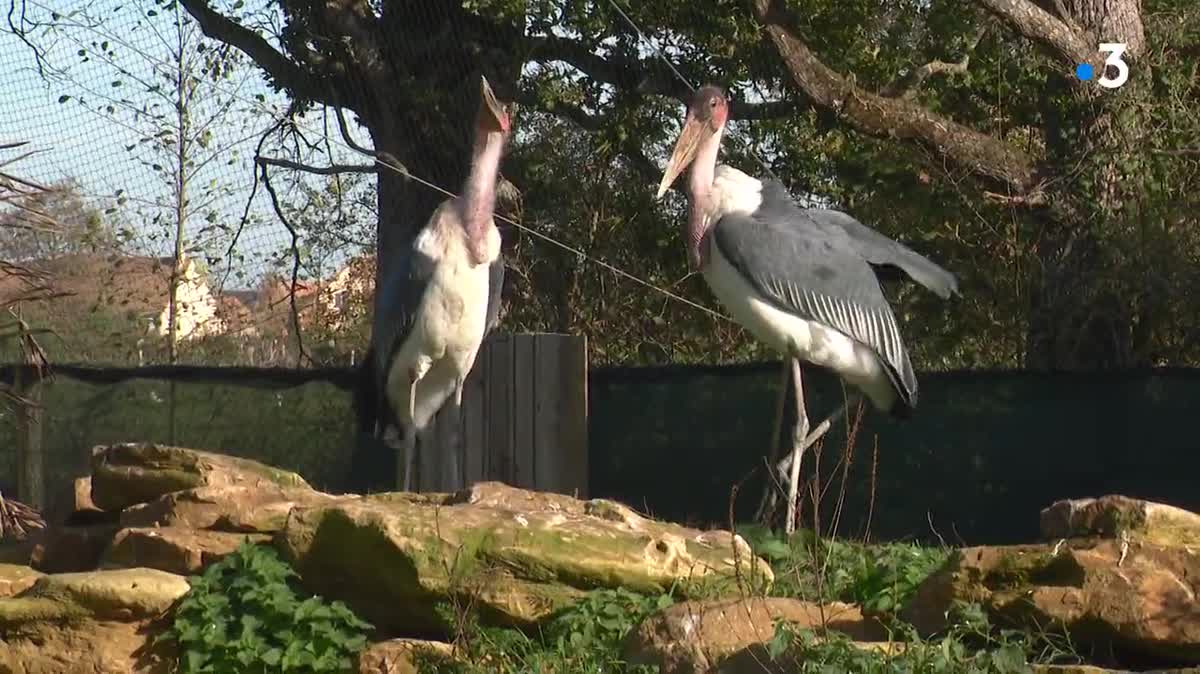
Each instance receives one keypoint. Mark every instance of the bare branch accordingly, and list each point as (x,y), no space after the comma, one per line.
(332,169)
(882,117)
(384,158)
(908,86)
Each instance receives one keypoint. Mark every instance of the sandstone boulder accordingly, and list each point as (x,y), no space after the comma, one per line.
(242,509)
(403,656)
(730,635)
(16,578)
(1109,596)
(101,622)
(518,555)
(178,550)
(1117,516)
(131,473)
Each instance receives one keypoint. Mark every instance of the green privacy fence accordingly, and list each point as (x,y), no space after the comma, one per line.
(982,454)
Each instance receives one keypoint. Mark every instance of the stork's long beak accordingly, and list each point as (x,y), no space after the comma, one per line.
(494,108)
(684,153)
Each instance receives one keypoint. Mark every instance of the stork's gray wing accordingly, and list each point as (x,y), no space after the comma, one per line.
(868,243)
(495,285)
(397,303)
(790,263)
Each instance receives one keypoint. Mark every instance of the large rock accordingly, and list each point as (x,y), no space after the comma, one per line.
(404,656)
(174,549)
(1117,516)
(15,578)
(120,594)
(730,635)
(242,509)
(131,473)
(102,622)
(518,555)
(1141,601)
(88,647)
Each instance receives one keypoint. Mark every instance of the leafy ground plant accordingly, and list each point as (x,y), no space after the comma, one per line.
(583,639)
(880,578)
(970,646)
(244,615)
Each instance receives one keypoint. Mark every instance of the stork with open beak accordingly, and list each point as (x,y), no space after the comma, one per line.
(799,279)
(438,302)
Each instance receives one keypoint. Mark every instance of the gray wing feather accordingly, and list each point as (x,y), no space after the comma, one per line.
(495,286)
(818,278)
(870,244)
(397,305)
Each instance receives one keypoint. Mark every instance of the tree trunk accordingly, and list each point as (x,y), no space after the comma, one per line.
(1077,320)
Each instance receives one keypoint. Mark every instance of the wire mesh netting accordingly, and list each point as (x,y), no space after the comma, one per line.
(185,207)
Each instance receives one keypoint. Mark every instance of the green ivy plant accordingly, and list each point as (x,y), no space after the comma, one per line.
(244,615)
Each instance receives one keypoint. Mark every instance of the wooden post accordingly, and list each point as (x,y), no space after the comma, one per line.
(31,482)
(523,419)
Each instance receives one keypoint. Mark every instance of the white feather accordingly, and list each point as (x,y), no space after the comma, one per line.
(736,192)
(441,349)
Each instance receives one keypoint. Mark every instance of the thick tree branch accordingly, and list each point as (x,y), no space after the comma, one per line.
(882,117)
(1036,24)
(286,73)
(645,76)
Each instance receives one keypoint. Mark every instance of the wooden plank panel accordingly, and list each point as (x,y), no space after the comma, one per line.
(524,392)
(573,371)
(561,413)
(549,460)
(474,419)
(499,411)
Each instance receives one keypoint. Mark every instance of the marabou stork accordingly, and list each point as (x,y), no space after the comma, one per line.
(439,300)
(799,279)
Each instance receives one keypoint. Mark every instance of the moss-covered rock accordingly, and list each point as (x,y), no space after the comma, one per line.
(515,555)
(138,472)
(1116,516)
(120,594)
(1106,594)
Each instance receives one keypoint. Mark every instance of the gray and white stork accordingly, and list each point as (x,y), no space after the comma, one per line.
(801,280)
(440,299)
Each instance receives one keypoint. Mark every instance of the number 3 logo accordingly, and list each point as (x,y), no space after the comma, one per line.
(1116,51)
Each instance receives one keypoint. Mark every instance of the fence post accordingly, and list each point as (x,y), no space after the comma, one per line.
(31,484)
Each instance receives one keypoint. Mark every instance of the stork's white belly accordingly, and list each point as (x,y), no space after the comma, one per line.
(441,349)
(789,334)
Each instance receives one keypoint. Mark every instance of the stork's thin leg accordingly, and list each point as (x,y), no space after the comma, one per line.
(822,428)
(407,467)
(801,434)
(770,494)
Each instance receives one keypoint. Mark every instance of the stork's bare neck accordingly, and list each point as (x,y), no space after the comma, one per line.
(700,197)
(479,193)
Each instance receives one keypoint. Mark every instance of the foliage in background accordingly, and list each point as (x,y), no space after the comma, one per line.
(243,615)
(880,578)
(597,115)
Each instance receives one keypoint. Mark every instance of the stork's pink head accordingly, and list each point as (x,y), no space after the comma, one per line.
(493,115)
(706,117)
